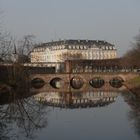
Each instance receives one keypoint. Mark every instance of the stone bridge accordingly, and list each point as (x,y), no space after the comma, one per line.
(86,77)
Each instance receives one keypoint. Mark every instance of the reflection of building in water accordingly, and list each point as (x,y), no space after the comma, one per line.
(59,51)
(75,100)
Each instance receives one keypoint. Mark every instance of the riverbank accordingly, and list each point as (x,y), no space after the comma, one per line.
(133,85)
(4,88)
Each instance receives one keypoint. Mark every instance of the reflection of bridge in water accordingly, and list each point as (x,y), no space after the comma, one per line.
(77,99)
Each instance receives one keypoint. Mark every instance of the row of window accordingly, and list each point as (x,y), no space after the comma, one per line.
(39,49)
(73,47)
(58,57)
(82,47)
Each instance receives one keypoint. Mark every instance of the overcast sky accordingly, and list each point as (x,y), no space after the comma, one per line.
(116,21)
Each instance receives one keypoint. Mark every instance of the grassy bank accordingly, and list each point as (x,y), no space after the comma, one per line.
(134,82)
(133,85)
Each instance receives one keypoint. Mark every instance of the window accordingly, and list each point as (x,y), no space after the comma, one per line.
(81,47)
(77,47)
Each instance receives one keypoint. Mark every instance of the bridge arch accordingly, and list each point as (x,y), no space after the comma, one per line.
(97,82)
(56,82)
(37,83)
(116,82)
(77,82)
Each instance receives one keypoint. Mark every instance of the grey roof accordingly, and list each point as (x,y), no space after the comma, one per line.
(75,42)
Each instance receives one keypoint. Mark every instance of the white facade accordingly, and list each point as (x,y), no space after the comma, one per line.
(60,51)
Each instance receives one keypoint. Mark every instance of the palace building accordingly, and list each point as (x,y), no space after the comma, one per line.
(59,51)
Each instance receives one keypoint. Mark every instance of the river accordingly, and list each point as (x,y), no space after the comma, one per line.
(109,115)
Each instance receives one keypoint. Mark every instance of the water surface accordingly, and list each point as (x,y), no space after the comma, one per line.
(85,116)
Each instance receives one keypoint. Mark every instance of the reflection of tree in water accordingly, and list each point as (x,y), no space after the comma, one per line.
(133,101)
(3,130)
(26,116)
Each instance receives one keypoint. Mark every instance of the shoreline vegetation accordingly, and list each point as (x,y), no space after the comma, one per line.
(133,85)
(14,83)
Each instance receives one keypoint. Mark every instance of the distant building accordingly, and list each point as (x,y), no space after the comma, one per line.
(59,51)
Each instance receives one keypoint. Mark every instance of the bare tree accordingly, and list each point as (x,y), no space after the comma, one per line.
(5,42)
(132,57)
(5,46)
(23,47)
(26,45)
